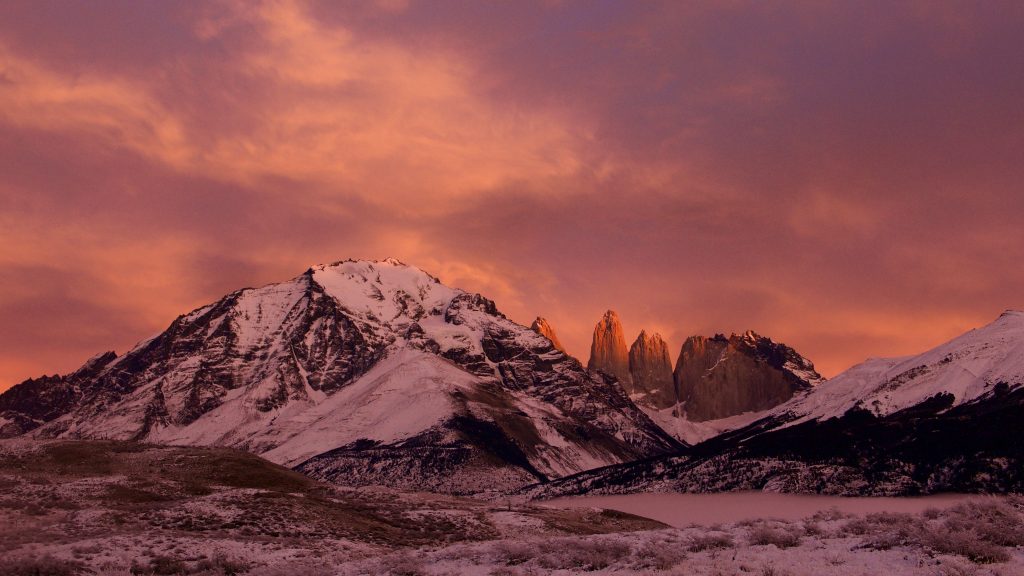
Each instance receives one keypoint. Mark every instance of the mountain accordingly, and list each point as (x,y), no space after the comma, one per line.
(720,384)
(721,377)
(651,370)
(544,328)
(359,373)
(608,349)
(947,420)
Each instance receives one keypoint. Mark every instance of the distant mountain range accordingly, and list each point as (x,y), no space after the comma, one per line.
(947,420)
(373,372)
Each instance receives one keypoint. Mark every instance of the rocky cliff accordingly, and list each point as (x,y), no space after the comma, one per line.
(608,349)
(544,328)
(720,377)
(651,369)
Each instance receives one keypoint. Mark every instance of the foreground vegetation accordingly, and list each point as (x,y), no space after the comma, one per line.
(117,509)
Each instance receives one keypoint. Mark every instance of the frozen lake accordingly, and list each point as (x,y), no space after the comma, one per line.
(725,508)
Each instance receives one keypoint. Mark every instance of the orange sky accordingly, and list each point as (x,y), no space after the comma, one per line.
(843,177)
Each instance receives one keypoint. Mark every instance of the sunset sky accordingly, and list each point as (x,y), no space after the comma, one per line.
(846,177)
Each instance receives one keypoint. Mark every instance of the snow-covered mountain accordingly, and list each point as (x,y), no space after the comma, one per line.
(359,372)
(949,419)
(967,368)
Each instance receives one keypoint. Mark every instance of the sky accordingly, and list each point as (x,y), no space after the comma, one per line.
(843,177)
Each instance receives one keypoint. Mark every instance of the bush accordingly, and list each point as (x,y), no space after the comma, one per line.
(513,553)
(41,566)
(965,543)
(658,556)
(711,542)
(585,555)
(403,565)
(993,521)
(221,564)
(763,536)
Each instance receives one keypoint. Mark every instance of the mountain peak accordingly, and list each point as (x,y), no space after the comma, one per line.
(651,369)
(608,350)
(544,328)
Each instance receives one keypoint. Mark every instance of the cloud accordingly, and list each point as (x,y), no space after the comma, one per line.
(840,178)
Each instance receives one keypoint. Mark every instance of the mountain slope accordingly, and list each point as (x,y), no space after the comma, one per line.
(370,362)
(949,419)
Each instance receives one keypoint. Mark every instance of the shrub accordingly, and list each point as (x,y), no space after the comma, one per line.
(965,543)
(221,564)
(513,553)
(993,521)
(763,536)
(711,542)
(39,566)
(658,556)
(585,555)
(403,565)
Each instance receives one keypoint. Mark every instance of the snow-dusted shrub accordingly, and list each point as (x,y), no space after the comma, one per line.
(993,521)
(771,570)
(658,556)
(829,515)
(711,542)
(292,568)
(765,535)
(39,566)
(221,564)
(887,530)
(512,552)
(585,555)
(965,543)
(812,528)
(160,565)
(505,571)
(403,565)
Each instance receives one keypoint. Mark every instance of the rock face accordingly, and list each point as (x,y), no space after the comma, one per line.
(608,350)
(651,371)
(543,327)
(358,372)
(720,377)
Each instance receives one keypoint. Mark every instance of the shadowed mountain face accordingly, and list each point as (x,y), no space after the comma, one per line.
(608,349)
(360,372)
(720,377)
(651,371)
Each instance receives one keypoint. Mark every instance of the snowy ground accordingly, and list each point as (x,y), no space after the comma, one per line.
(117,509)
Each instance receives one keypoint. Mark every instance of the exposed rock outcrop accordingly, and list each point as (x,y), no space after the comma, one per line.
(651,369)
(608,350)
(720,377)
(544,328)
